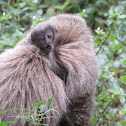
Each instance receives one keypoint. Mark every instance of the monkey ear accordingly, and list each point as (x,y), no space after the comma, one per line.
(34,35)
(57,34)
(56,29)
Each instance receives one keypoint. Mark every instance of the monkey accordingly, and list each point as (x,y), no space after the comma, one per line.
(44,39)
(56,58)
(76,53)
(20,86)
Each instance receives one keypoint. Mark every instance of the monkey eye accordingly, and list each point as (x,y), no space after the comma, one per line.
(49,36)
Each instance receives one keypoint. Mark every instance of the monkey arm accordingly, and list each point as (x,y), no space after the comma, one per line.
(81,63)
(25,78)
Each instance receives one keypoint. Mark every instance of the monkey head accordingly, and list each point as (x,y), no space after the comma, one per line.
(44,36)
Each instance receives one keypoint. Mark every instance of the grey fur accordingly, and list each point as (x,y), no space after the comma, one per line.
(27,75)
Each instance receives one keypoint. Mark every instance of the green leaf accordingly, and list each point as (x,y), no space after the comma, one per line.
(64,7)
(105,98)
(99,20)
(5,123)
(37,104)
(116,47)
(100,32)
(124,61)
(4,112)
(50,100)
(51,110)
(5,17)
(114,92)
(24,117)
(16,5)
(42,108)
(105,75)
(123,111)
(123,79)
(112,38)
(97,41)
(22,108)
(94,120)
(83,14)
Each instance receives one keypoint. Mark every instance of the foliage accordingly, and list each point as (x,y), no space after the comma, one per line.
(43,107)
(107,18)
(111,100)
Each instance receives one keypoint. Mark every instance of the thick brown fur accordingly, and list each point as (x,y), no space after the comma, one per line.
(28,76)
(20,86)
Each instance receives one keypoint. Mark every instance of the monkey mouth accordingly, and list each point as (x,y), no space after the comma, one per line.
(48,47)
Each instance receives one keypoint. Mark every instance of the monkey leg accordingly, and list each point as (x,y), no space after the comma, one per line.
(66,121)
(80,110)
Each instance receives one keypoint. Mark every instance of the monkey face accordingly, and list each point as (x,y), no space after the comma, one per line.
(44,38)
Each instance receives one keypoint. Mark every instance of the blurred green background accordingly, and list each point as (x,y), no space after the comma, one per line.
(106,18)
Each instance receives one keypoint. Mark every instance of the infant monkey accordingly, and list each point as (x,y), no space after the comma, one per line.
(56,58)
(46,39)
